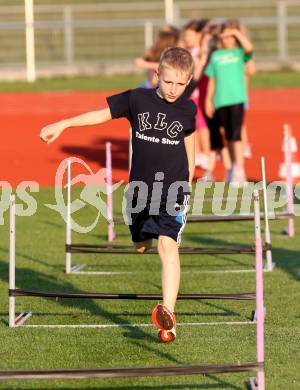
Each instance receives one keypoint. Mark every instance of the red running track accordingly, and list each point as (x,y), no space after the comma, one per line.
(24,157)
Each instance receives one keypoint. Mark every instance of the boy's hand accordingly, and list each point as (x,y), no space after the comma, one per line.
(209,108)
(49,133)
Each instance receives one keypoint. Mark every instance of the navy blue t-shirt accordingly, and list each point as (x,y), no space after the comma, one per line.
(158,131)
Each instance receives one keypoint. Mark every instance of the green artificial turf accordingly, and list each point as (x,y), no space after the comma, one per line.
(40,260)
(283,79)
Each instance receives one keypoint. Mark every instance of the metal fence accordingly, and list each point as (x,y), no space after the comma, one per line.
(107,36)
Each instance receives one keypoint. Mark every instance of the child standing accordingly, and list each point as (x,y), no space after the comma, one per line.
(210,43)
(226,91)
(163,124)
(192,36)
(168,36)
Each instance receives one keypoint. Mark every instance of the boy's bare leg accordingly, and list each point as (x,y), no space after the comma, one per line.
(143,246)
(170,275)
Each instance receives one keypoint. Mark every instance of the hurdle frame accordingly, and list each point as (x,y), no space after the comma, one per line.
(255,383)
(77,269)
(24,316)
(259,382)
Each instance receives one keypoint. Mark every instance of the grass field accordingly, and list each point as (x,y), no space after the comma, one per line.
(284,79)
(40,265)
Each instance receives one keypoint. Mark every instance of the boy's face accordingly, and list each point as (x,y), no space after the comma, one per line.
(172,83)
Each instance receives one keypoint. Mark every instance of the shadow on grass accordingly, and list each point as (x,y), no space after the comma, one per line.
(96,153)
(28,279)
(33,259)
(286,259)
(25,276)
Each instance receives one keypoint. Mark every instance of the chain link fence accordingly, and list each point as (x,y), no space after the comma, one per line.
(106,36)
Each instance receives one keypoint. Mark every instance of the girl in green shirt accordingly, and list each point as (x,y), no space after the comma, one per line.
(226,92)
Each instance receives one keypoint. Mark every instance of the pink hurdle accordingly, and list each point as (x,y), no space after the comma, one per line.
(111,230)
(260,343)
(289,174)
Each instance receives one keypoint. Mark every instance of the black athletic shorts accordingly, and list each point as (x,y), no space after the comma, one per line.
(145,226)
(216,139)
(231,118)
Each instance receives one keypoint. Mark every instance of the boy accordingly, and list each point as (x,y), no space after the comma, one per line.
(163,125)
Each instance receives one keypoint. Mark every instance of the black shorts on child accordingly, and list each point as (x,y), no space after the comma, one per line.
(231,118)
(145,226)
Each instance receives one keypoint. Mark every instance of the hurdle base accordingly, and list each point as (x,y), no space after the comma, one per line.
(252,383)
(287,233)
(76,269)
(269,269)
(215,271)
(23,317)
(254,316)
(101,273)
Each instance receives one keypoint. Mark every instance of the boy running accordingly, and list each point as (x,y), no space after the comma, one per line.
(163,125)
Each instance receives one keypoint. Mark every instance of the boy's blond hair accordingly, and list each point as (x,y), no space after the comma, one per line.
(177,58)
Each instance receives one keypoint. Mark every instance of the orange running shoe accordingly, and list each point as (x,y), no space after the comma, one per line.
(164,320)
(167,335)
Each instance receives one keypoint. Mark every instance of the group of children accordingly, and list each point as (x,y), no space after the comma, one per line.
(163,121)
(223,64)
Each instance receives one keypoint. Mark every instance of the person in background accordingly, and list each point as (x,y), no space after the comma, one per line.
(168,36)
(192,34)
(209,43)
(227,91)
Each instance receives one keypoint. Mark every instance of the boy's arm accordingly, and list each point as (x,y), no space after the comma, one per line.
(51,132)
(189,143)
(209,105)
